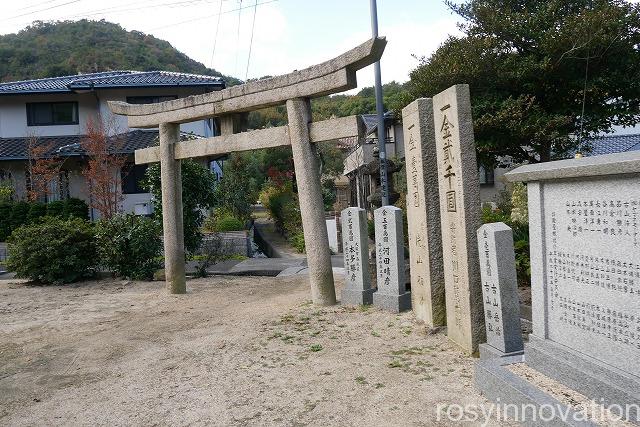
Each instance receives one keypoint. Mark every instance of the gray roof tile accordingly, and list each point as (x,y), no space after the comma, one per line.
(110,80)
(610,144)
(66,146)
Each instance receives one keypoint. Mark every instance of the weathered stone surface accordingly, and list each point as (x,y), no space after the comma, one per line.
(584,224)
(171,182)
(392,293)
(460,215)
(311,205)
(500,288)
(423,214)
(355,247)
(585,262)
(609,164)
(336,75)
(257,139)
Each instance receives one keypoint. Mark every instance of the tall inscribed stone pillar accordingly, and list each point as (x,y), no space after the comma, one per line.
(423,214)
(460,216)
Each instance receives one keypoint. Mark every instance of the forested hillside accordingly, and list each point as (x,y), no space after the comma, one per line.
(72,47)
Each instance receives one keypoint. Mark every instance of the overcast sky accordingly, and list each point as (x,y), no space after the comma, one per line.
(288,34)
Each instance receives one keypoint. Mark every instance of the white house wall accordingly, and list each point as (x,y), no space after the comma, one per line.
(13,115)
(197,128)
(13,111)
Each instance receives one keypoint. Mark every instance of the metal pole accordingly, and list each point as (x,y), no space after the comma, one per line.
(382,149)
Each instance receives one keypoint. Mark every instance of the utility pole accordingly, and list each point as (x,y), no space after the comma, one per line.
(382,149)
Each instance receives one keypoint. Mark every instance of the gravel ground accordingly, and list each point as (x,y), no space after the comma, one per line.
(234,351)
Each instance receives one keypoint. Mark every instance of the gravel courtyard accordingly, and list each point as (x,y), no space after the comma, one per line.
(234,351)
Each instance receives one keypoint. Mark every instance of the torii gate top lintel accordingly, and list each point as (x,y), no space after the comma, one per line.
(333,76)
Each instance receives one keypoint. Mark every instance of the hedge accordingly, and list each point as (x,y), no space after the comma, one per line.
(16,214)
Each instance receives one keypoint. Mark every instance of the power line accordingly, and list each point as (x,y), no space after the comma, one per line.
(209,16)
(238,36)
(253,26)
(41,10)
(215,38)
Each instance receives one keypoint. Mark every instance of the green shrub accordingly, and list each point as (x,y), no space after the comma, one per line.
(129,245)
(284,209)
(75,208)
(371,229)
(520,237)
(222,220)
(6,193)
(198,195)
(36,211)
(56,209)
(18,215)
(297,241)
(229,223)
(5,220)
(53,250)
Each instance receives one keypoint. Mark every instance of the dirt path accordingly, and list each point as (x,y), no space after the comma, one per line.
(234,351)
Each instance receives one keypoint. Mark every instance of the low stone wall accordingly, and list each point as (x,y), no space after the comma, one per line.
(232,242)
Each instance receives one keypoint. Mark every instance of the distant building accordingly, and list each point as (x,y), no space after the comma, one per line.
(610,144)
(363,152)
(55,111)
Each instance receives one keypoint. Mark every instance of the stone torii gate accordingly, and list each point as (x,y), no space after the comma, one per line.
(295,90)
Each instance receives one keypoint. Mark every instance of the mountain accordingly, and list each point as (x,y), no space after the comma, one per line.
(49,49)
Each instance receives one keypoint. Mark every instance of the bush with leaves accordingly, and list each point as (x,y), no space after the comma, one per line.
(75,208)
(129,245)
(282,203)
(53,250)
(237,190)
(520,237)
(198,195)
(222,221)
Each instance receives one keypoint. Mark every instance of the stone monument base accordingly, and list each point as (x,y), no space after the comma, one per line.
(596,380)
(490,352)
(392,303)
(520,400)
(357,296)
(605,385)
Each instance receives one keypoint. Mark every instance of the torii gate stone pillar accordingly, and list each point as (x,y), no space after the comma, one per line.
(311,204)
(295,90)
(172,221)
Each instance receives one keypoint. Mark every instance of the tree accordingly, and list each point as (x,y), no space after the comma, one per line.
(526,63)
(239,186)
(101,145)
(43,168)
(198,195)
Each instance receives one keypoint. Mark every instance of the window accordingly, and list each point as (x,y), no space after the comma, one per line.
(131,178)
(150,99)
(52,113)
(486,176)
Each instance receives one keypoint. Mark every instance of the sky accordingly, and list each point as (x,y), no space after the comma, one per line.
(287,35)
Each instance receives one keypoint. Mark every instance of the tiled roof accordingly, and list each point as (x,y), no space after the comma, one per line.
(67,146)
(110,80)
(611,144)
(371,121)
